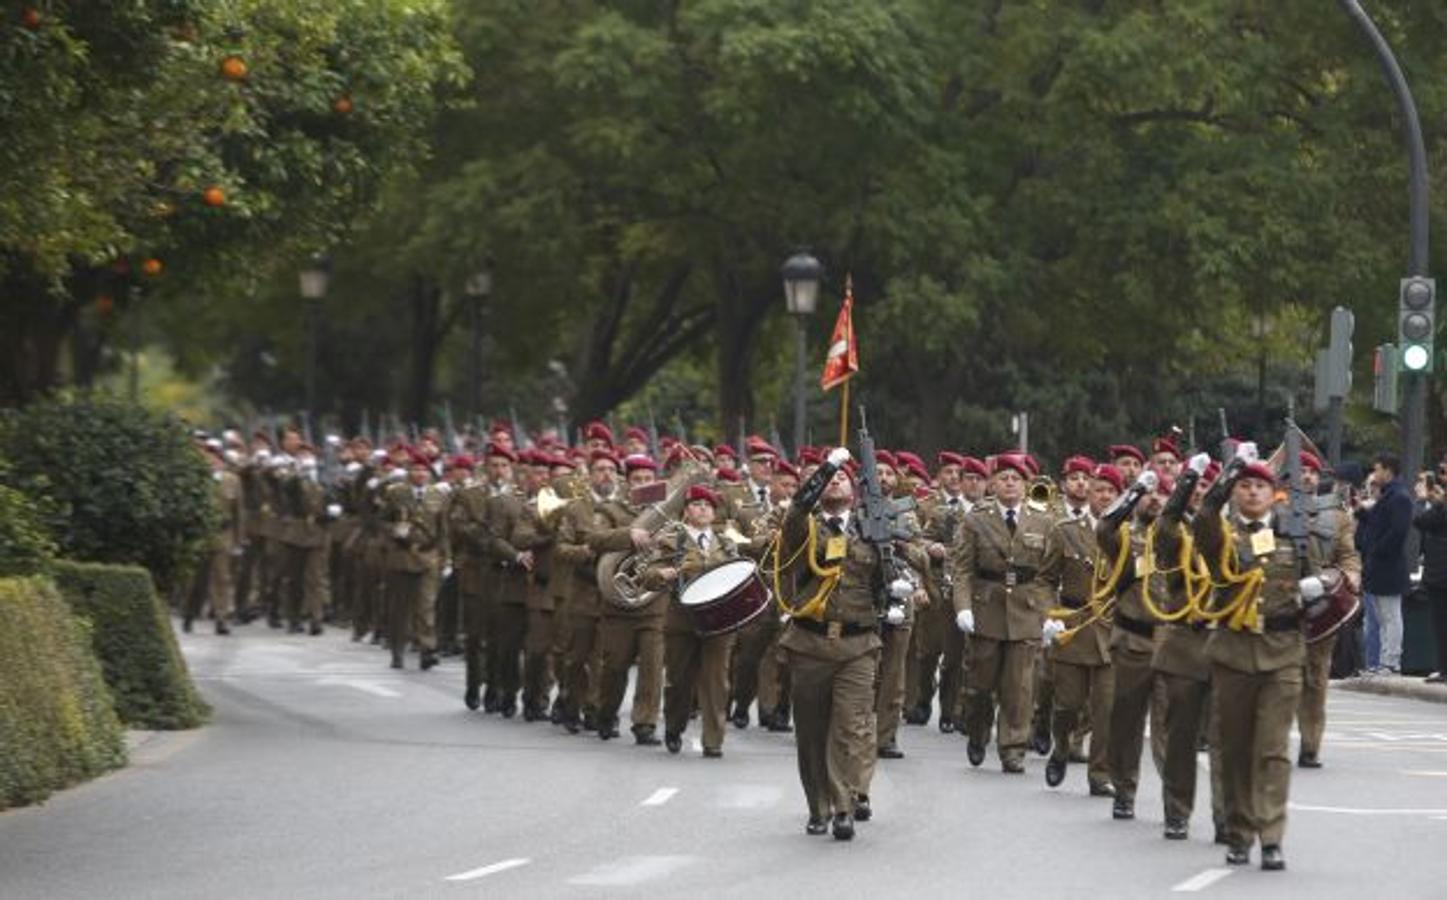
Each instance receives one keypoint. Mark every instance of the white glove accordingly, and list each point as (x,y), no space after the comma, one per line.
(397,474)
(334,510)
(444,487)
(1147,481)
(839,456)
(900,588)
(1199,463)
(1311,588)
(1052,630)
(894,615)
(1246,452)
(352,467)
(446,572)
(965,621)
(334,440)
(372,483)
(234,458)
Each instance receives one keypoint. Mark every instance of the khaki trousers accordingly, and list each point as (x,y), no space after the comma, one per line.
(1082,691)
(752,646)
(1311,712)
(833,704)
(889,689)
(927,647)
(1134,684)
(693,663)
(624,640)
(1003,669)
(581,672)
(538,658)
(1254,713)
(506,629)
(953,664)
(411,611)
(1186,703)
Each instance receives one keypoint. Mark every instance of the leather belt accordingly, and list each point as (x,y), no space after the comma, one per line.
(1192,626)
(1286,622)
(1010,577)
(1136,626)
(847,629)
(1069,603)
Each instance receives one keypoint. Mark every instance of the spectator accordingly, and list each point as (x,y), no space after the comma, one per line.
(1431,521)
(1382,532)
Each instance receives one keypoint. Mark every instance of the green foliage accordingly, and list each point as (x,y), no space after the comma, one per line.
(57,725)
(117,482)
(25,545)
(132,635)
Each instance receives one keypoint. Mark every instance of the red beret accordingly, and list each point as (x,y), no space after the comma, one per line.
(1109,473)
(704,492)
(500,450)
(1116,451)
(502,425)
(603,453)
(757,446)
(1165,445)
(730,475)
(1259,470)
(884,457)
(639,461)
(416,457)
(975,465)
(918,470)
(633,432)
(1311,461)
(908,459)
(460,461)
(1033,464)
(1078,464)
(667,441)
(725,450)
(597,431)
(810,456)
(1016,461)
(783,467)
(949,458)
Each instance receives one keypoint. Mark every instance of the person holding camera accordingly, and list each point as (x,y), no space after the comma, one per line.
(1431,521)
(1382,531)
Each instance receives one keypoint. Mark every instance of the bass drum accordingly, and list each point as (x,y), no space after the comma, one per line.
(725,597)
(1335,609)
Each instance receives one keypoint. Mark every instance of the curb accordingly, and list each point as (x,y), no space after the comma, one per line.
(1411,688)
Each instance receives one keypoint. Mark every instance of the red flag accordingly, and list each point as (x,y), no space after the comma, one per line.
(843,359)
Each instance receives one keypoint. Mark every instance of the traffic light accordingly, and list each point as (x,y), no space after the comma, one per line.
(1416,323)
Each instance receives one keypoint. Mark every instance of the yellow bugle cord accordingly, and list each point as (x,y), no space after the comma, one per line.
(828,576)
(1102,594)
(1244,607)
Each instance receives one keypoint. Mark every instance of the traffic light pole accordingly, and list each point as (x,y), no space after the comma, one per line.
(1414,412)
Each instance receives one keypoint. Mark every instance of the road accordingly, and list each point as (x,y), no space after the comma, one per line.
(326,774)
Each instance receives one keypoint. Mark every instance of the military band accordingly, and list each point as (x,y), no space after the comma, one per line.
(841,597)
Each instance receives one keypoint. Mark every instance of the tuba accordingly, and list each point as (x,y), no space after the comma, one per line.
(620,573)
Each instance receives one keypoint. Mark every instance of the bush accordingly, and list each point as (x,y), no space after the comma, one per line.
(25,545)
(115,482)
(131,631)
(57,726)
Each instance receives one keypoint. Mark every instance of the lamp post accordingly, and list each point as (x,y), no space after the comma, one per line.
(477,289)
(1415,401)
(315,277)
(802,273)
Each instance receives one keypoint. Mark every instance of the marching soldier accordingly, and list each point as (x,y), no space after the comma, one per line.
(304,535)
(1257,658)
(413,511)
(508,558)
(470,535)
(894,638)
(1000,599)
(1129,459)
(694,664)
(1082,675)
(213,585)
(543,605)
(755,666)
(940,514)
(1334,533)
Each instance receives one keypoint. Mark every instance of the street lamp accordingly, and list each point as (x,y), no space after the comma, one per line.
(477,288)
(314,279)
(802,273)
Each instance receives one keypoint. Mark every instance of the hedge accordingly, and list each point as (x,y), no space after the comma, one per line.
(132,635)
(57,726)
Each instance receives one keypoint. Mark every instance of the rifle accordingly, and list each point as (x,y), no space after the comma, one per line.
(878,526)
(519,437)
(1228,446)
(454,440)
(1295,523)
(652,434)
(743,446)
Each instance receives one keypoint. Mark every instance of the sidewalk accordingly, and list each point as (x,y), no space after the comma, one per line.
(1394,686)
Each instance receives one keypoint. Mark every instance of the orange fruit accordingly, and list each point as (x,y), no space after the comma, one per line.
(105,304)
(342,105)
(233,68)
(213,197)
(30,17)
(152,267)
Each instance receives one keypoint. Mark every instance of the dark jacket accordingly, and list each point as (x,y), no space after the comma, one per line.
(1382,533)
(1431,521)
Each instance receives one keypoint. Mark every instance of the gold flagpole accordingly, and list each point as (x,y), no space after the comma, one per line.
(844,415)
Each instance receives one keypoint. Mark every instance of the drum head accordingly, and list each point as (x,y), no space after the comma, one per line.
(717,582)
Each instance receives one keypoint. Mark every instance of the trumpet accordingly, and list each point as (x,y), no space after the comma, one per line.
(1043,490)
(553,498)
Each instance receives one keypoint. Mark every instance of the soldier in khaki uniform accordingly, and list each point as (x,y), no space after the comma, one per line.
(469,534)
(1083,678)
(694,665)
(249,574)
(509,560)
(895,640)
(954,658)
(940,515)
(1334,533)
(832,642)
(369,570)
(1001,598)
(304,535)
(626,636)
(756,670)
(1256,668)
(413,516)
(213,586)
(543,604)
(1122,532)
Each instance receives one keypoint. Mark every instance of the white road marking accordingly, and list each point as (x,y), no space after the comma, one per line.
(483,872)
(660,797)
(1202,881)
(632,870)
(1425,774)
(360,684)
(1353,811)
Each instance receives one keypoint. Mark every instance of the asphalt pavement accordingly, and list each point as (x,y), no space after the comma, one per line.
(327,774)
